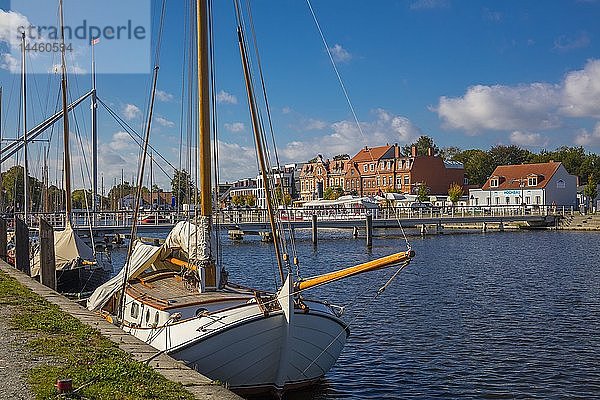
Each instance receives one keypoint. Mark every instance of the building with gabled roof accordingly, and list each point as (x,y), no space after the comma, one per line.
(528,184)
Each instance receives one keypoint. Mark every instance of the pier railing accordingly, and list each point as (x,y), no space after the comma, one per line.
(122,219)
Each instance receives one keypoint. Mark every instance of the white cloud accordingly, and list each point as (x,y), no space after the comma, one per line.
(315,124)
(162,121)
(163,96)
(566,43)
(286,110)
(527,139)
(131,111)
(345,137)
(10,63)
(10,21)
(429,4)
(502,108)
(235,127)
(581,91)
(535,106)
(122,141)
(340,54)
(226,98)
(236,161)
(585,138)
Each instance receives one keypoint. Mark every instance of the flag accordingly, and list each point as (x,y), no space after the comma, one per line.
(95,41)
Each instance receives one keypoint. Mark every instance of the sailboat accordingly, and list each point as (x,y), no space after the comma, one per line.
(178,299)
(78,269)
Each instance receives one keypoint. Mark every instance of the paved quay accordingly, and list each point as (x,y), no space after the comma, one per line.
(13,367)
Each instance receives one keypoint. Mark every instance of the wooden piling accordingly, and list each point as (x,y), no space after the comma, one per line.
(22,246)
(47,258)
(2,238)
(369,228)
(314,229)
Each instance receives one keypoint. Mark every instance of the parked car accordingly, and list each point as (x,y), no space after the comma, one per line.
(424,206)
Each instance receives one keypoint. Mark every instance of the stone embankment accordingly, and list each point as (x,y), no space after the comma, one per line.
(578,222)
(198,385)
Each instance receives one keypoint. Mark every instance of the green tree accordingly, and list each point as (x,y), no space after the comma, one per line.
(237,200)
(78,198)
(333,193)
(455,191)
(341,157)
(422,144)
(183,187)
(250,200)
(448,153)
(477,164)
(12,184)
(591,189)
(118,192)
(423,193)
(509,155)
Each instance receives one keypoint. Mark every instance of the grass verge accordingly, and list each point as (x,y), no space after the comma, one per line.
(80,353)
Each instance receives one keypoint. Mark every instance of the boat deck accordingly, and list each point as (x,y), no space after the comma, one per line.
(167,290)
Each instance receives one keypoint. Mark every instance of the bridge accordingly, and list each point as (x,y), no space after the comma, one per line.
(255,221)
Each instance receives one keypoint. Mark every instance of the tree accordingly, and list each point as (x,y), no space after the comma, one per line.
(591,189)
(509,155)
(333,193)
(12,184)
(237,200)
(422,193)
(282,198)
(250,200)
(477,164)
(118,192)
(455,191)
(78,198)
(183,187)
(448,153)
(422,144)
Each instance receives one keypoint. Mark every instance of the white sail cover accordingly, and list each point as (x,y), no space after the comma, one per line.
(184,237)
(68,250)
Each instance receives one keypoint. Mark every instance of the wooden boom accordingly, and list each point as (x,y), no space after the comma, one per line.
(358,269)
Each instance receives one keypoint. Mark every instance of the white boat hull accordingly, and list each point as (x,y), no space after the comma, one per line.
(248,351)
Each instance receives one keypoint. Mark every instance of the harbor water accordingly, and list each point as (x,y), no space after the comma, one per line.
(495,315)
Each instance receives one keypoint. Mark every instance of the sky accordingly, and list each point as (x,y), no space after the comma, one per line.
(468,74)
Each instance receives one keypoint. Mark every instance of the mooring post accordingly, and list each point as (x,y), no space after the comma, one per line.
(423,230)
(355,232)
(314,229)
(484,227)
(369,222)
(501,226)
(22,246)
(47,260)
(3,239)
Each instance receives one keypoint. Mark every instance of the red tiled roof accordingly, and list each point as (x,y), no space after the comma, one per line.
(511,176)
(371,153)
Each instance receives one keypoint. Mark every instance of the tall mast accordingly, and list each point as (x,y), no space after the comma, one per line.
(94,107)
(209,276)
(25,153)
(1,137)
(66,154)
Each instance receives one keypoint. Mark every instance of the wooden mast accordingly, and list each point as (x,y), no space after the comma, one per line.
(67,153)
(209,276)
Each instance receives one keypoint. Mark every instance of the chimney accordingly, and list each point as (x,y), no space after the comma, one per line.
(429,151)
(413,151)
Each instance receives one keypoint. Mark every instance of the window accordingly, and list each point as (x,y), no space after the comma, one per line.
(466,181)
(507,200)
(494,182)
(135,310)
(538,200)
(372,166)
(532,181)
(560,184)
(384,181)
(366,167)
(406,180)
(497,200)
(527,200)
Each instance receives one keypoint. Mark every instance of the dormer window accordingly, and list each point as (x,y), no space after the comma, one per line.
(494,182)
(532,181)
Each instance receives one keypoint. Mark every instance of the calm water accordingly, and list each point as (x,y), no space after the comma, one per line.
(495,315)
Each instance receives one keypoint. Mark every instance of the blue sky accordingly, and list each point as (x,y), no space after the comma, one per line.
(469,74)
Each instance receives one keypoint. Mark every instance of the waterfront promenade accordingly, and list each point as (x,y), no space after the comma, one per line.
(18,357)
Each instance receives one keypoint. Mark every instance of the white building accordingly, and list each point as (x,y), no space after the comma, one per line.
(529,184)
(283,179)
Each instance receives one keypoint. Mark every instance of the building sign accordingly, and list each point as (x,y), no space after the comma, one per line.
(514,192)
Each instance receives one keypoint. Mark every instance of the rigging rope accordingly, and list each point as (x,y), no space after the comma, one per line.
(350,105)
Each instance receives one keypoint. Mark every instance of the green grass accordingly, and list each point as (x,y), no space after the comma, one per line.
(78,352)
